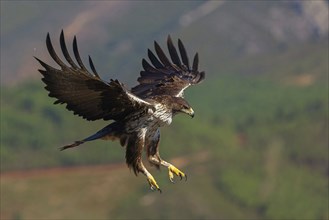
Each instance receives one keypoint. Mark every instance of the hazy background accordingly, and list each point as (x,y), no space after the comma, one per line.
(257,148)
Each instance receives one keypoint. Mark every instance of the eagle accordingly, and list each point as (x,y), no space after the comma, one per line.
(136,114)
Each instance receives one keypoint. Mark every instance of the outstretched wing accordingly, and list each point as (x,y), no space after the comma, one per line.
(165,77)
(86,94)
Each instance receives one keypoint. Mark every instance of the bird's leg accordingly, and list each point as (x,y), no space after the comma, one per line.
(155,159)
(134,150)
(150,178)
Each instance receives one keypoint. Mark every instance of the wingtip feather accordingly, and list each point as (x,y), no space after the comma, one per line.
(173,52)
(195,62)
(93,67)
(162,56)
(183,54)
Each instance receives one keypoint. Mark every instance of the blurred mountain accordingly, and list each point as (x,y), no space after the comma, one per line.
(116,34)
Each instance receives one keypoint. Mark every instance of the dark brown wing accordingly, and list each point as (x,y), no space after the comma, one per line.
(86,94)
(166,77)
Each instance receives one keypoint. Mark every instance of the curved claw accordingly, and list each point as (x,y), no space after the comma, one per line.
(171,176)
(154,188)
(153,183)
(173,170)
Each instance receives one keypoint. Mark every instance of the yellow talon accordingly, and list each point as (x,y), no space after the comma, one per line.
(153,183)
(173,170)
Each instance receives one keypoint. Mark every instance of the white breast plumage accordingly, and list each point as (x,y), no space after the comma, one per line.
(162,115)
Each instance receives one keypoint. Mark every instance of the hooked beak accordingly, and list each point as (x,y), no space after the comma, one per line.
(189,111)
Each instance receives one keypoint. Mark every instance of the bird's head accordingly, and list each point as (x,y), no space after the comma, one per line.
(180,105)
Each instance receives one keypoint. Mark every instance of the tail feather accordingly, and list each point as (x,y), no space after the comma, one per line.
(75,144)
(111,132)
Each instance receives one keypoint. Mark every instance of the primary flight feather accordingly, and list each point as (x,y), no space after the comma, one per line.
(138,113)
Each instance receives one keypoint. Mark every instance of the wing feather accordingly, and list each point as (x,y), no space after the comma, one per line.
(85,93)
(53,53)
(148,67)
(162,56)
(93,67)
(65,51)
(154,60)
(77,55)
(195,62)
(173,52)
(166,77)
(183,54)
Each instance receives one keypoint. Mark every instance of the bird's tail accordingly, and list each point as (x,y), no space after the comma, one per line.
(75,144)
(112,132)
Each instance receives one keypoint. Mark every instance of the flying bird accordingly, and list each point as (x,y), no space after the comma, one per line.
(137,113)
